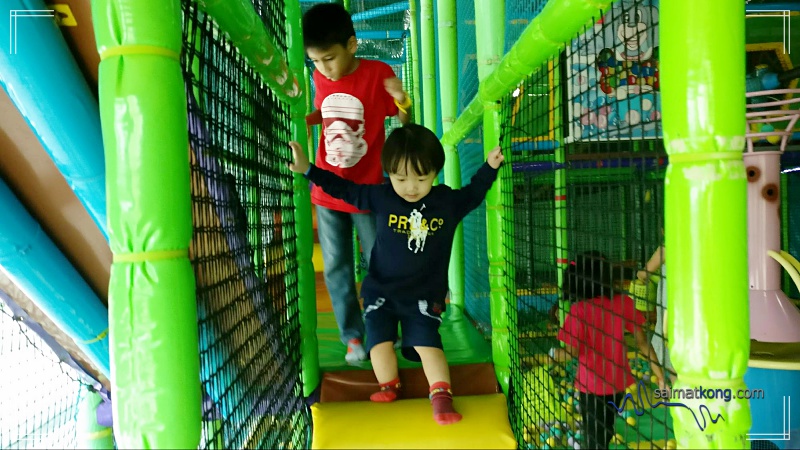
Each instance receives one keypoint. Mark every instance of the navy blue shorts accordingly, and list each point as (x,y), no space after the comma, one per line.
(419,323)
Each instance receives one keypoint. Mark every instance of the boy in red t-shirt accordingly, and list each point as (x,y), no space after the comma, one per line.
(594,332)
(353,98)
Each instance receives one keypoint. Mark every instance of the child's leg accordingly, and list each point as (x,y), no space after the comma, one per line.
(336,241)
(610,416)
(381,325)
(598,419)
(384,363)
(434,364)
(421,342)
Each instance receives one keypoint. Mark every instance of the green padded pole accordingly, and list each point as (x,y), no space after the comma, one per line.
(448,92)
(427,34)
(706,213)
(490,36)
(155,366)
(560,193)
(90,434)
(416,96)
(547,34)
(306,278)
(312,145)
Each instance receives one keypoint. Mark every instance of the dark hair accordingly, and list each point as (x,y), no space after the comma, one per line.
(589,276)
(327,24)
(415,146)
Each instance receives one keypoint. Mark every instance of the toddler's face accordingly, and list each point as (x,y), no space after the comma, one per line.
(411,186)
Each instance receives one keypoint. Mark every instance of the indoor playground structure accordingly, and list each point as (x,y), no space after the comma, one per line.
(161,273)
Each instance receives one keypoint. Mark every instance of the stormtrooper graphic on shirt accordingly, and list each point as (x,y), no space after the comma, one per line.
(343,120)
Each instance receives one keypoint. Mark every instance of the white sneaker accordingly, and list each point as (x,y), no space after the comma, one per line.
(355,352)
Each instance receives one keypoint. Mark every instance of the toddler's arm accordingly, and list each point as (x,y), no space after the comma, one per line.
(471,195)
(359,195)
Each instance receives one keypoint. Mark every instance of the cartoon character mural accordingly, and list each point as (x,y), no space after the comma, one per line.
(614,78)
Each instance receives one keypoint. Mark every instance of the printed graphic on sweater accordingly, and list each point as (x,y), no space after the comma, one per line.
(417,227)
(343,122)
(417,231)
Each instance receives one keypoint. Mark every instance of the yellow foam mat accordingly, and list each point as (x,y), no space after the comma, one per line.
(410,424)
(660,444)
(316,258)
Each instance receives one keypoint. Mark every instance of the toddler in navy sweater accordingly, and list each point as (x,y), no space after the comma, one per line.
(406,282)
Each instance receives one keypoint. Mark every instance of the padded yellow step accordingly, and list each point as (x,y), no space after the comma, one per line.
(409,424)
(316,258)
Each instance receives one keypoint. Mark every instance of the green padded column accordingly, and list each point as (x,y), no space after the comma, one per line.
(428,59)
(304,227)
(155,366)
(448,91)
(706,213)
(490,35)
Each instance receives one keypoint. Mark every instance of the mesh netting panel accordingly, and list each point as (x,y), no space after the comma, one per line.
(244,245)
(529,118)
(40,394)
(519,13)
(476,262)
(583,136)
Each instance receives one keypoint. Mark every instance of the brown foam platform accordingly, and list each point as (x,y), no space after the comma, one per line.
(357,385)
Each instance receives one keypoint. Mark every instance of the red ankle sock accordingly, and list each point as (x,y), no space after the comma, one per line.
(389,392)
(442,401)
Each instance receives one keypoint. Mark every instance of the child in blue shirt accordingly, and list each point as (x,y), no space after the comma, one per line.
(407,277)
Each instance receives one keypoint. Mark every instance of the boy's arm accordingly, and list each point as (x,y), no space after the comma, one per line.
(401,98)
(404,109)
(404,115)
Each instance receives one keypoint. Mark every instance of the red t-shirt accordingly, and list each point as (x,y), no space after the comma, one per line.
(597,328)
(354,109)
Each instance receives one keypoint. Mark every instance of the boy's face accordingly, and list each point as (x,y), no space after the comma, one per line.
(411,186)
(336,61)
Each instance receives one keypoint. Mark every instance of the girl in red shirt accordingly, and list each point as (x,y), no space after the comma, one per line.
(594,332)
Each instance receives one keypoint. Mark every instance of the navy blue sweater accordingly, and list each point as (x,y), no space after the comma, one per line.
(411,255)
